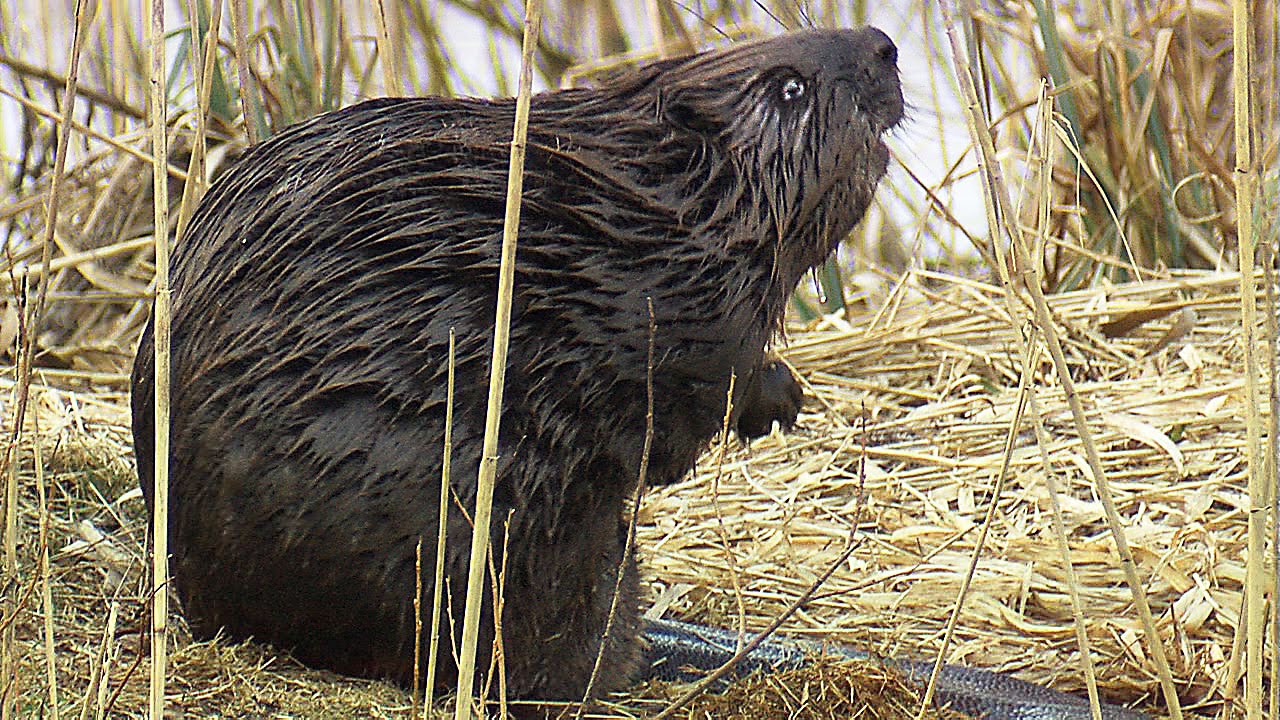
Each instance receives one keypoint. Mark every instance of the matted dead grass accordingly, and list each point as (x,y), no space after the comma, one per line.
(924,390)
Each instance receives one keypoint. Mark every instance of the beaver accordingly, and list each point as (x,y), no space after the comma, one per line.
(316,288)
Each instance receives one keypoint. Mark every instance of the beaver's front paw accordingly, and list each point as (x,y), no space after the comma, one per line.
(773,394)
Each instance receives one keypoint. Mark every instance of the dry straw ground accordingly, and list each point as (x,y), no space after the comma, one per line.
(924,393)
(913,379)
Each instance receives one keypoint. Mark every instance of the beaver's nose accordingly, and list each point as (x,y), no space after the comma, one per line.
(883,48)
(876,83)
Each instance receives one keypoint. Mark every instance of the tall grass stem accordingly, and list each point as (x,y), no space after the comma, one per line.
(1246,181)
(1000,208)
(497,371)
(158,125)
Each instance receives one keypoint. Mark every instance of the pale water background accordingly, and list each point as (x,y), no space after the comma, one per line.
(933,135)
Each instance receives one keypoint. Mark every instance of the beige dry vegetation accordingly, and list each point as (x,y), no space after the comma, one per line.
(914,378)
(935,382)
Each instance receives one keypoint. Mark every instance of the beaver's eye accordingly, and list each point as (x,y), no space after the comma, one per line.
(792,89)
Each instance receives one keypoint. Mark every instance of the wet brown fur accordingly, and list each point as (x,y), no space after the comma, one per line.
(314,294)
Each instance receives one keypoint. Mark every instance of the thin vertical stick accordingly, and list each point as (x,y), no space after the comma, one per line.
(417,627)
(654,16)
(248,104)
(8,637)
(1006,459)
(46,580)
(731,563)
(628,547)
(119,22)
(160,493)
(1246,179)
(999,206)
(497,660)
(497,371)
(193,60)
(1031,359)
(442,532)
(1064,548)
(8,686)
(387,53)
(202,68)
(1271,472)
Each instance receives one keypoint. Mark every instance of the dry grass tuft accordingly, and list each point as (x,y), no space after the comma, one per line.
(826,690)
(1146,92)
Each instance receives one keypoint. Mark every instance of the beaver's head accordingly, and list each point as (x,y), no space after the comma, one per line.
(787,134)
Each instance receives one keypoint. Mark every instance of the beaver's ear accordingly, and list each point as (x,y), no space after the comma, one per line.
(688,109)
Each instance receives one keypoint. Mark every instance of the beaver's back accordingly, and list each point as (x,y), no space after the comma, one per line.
(313,299)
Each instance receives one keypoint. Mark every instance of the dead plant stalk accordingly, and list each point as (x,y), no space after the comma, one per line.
(628,548)
(1045,127)
(193,188)
(1246,181)
(248,107)
(160,492)
(388,53)
(437,592)
(83,15)
(999,207)
(497,371)
(46,579)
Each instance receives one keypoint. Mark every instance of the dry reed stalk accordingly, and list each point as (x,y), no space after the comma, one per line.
(1010,437)
(85,257)
(1025,395)
(202,68)
(159,600)
(8,610)
(653,15)
(1045,131)
(441,529)
(103,378)
(1246,175)
(9,682)
(46,579)
(23,387)
(388,53)
(1079,620)
(1045,321)
(497,371)
(87,131)
(497,582)
(249,108)
(628,547)
(106,100)
(1271,467)
(999,207)
(417,627)
(120,24)
(721,531)
(195,59)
